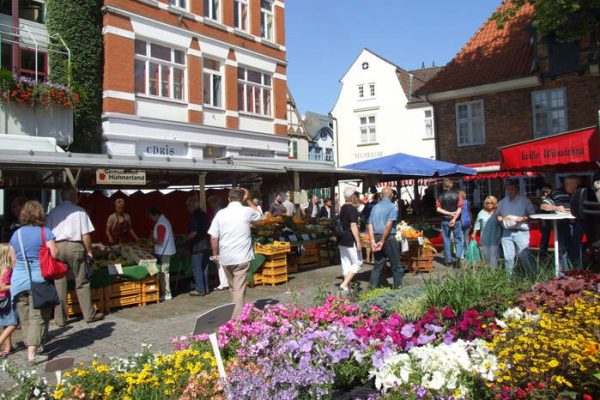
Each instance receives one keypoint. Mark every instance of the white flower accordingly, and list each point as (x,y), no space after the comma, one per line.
(36,392)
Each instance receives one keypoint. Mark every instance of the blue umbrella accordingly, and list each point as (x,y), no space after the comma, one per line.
(405,165)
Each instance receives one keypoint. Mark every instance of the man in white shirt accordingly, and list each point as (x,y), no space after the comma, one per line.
(289,206)
(513,213)
(72,227)
(231,242)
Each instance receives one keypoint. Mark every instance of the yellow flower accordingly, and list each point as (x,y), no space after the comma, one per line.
(108,390)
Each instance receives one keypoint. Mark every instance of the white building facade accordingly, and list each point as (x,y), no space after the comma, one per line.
(377,115)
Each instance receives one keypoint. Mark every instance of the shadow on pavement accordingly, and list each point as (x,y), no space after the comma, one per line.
(262,303)
(79,339)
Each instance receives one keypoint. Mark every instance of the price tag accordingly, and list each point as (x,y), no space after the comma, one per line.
(312,235)
(293,238)
(404,246)
(116,269)
(305,237)
(420,240)
(282,239)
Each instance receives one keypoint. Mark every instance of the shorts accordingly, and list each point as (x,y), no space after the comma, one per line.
(351,259)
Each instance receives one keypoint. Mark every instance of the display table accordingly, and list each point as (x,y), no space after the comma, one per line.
(554,217)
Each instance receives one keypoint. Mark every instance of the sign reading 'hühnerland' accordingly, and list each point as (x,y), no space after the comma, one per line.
(120,177)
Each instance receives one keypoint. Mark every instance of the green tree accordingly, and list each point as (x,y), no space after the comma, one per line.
(79,23)
(568,19)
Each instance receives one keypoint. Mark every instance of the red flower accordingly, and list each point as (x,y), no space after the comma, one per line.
(447,312)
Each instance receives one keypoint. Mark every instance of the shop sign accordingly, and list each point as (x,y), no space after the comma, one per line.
(161,149)
(120,177)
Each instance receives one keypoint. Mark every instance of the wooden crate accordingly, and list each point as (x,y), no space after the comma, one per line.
(129,300)
(150,290)
(98,302)
(292,263)
(124,288)
(275,271)
(308,259)
(274,280)
(281,262)
(421,264)
(272,249)
(257,278)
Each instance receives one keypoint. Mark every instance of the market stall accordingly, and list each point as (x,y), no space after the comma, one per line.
(122,278)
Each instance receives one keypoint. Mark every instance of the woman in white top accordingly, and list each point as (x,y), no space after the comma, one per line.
(164,248)
(491,231)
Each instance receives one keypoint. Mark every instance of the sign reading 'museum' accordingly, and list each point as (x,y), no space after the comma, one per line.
(120,177)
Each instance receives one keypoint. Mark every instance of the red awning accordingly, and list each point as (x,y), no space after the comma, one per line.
(579,149)
(491,170)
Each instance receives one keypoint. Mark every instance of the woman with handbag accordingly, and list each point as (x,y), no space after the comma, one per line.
(35,297)
(8,312)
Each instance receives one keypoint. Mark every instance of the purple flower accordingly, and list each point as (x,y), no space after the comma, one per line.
(448,338)
(424,339)
(408,330)
(433,328)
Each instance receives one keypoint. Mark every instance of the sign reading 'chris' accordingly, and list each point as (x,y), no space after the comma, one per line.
(158,149)
(120,177)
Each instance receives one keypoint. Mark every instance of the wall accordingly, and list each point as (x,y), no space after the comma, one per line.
(508,118)
(398,129)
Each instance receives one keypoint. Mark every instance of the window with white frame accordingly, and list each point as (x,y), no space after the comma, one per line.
(266,19)
(368,129)
(212,82)
(372,89)
(178,3)
(254,91)
(470,123)
(361,91)
(159,70)
(549,109)
(211,9)
(240,14)
(428,123)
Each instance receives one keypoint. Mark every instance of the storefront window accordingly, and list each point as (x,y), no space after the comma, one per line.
(159,70)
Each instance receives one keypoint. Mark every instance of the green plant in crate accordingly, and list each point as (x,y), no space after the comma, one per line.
(412,308)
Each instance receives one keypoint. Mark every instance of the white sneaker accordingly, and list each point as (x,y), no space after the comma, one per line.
(166,297)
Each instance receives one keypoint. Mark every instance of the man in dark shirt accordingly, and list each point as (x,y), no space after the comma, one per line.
(449,204)
(277,207)
(349,241)
(570,232)
(198,239)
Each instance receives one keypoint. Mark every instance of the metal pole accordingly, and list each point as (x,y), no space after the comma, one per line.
(220,367)
(556,249)
(202,190)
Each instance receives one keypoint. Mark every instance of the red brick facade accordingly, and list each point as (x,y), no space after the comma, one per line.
(509,119)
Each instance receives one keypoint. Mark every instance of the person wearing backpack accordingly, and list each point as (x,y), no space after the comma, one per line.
(349,239)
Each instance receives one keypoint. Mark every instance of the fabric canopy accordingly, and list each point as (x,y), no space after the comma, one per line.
(579,149)
(405,165)
(491,170)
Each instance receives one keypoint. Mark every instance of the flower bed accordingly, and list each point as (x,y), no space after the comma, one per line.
(295,352)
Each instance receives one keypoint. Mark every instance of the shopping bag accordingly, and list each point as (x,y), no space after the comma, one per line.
(473,253)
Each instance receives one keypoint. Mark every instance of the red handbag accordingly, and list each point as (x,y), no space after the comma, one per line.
(50,268)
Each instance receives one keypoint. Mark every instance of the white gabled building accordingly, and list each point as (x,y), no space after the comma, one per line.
(377,114)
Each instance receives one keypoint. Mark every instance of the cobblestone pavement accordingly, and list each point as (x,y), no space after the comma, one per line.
(123,331)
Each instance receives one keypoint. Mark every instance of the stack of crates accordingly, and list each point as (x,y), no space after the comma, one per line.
(98,302)
(275,268)
(311,254)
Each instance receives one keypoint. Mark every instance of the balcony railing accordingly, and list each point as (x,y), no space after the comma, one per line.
(25,50)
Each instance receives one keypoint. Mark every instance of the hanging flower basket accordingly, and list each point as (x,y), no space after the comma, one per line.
(26,91)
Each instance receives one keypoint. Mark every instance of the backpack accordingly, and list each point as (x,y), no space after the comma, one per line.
(337,227)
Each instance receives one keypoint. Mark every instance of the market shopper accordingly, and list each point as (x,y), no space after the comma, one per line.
(164,247)
(72,229)
(313,208)
(199,246)
(26,244)
(216,204)
(15,207)
(118,226)
(546,226)
(326,210)
(382,231)
(449,204)
(490,231)
(349,241)
(277,207)
(570,232)
(8,308)
(513,213)
(465,218)
(289,206)
(231,242)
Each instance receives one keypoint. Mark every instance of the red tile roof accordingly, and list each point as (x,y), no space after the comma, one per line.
(491,55)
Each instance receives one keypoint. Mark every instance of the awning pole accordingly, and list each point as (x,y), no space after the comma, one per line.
(73,179)
(202,190)
(332,185)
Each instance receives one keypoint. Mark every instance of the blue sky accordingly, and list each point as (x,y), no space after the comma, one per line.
(325,36)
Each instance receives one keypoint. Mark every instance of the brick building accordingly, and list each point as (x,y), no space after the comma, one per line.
(511,85)
(195,78)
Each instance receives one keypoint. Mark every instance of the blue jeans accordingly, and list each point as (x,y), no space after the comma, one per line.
(391,252)
(457,231)
(200,271)
(515,244)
